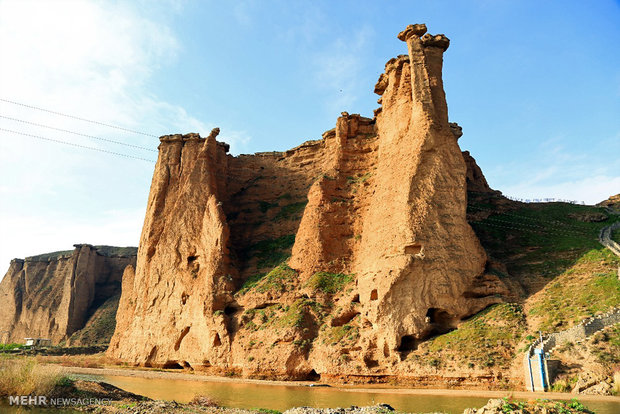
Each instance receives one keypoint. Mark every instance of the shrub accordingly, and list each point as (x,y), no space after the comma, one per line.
(27,377)
(329,282)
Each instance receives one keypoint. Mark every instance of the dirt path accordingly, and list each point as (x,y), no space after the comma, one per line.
(127,372)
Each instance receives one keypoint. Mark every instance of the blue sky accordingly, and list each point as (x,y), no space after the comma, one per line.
(535,86)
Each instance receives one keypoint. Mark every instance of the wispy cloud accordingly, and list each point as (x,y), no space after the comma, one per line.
(339,67)
(95,60)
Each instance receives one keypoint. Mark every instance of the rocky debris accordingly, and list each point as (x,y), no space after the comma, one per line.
(334,258)
(376,409)
(52,295)
(592,383)
(612,203)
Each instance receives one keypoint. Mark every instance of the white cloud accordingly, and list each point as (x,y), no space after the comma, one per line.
(95,60)
(591,190)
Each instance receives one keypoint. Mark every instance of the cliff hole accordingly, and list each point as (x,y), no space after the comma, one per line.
(374,295)
(413,249)
(230,310)
(408,343)
(172,365)
(356,299)
(370,362)
(345,318)
(216,340)
(441,321)
(312,376)
(191,259)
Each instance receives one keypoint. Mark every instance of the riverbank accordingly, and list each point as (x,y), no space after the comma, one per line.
(377,389)
(115,391)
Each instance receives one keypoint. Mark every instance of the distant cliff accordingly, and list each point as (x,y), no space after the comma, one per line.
(335,258)
(54,295)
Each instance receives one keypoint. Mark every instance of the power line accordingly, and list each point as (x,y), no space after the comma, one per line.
(77,133)
(76,145)
(557,223)
(542,229)
(77,117)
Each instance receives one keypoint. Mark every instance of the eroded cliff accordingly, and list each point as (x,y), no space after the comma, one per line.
(54,295)
(335,258)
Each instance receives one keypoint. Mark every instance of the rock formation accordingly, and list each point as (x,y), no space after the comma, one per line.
(334,258)
(53,295)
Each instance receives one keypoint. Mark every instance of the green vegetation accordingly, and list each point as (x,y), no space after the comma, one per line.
(24,376)
(605,345)
(615,235)
(297,315)
(547,235)
(345,334)
(10,347)
(487,339)
(109,251)
(589,287)
(52,255)
(329,282)
(291,211)
(275,281)
(100,326)
(544,406)
(359,180)
(264,206)
(271,252)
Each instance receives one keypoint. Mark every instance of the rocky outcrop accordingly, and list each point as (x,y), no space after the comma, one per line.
(335,258)
(612,203)
(53,295)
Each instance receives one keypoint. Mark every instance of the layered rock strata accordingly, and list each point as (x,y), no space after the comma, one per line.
(53,295)
(334,258)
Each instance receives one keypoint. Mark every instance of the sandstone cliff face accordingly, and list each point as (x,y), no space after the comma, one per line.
(334,258)
(52,296)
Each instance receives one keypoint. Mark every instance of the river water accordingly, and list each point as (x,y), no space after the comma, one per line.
(282,397)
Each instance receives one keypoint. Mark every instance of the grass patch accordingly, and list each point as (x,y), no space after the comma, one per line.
(488,339)
(615,235)
(345,334)
(24,376)
(99,327)
(329,282)
(546,235)
(290,211)
(264,206)
(589,287)
(10,347)
(275,281)
(360,179)
(48,256)
(295,315)
(271,252)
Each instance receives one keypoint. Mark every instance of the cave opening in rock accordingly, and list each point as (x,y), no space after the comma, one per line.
(172,365)
(191,259)
(312,376)
(408,343)
(230,309)
(374,295)
(441,321)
